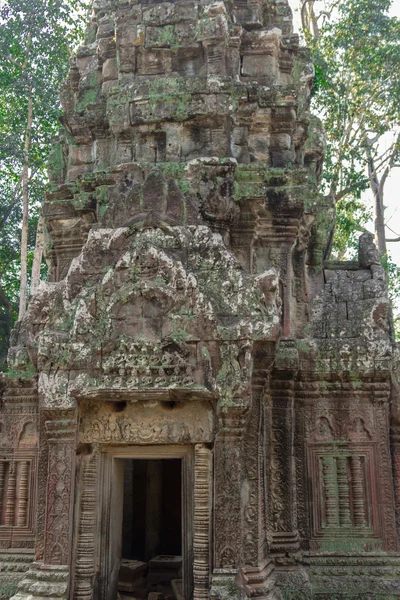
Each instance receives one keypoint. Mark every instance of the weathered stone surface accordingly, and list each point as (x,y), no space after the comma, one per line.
(189,314)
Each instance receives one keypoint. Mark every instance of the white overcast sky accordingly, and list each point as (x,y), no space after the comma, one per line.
(392,187)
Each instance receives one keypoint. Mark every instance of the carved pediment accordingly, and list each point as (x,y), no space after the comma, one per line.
(154,309)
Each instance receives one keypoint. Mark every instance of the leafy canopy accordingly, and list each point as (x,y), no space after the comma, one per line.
(36,41)
(357,93)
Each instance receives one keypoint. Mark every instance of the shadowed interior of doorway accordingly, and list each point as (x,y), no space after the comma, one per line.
(151,564)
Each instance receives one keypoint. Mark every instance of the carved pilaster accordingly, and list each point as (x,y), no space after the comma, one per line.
(228,471)
(86,527)
(61,440)
(202,521)
(385,477)
(253,484)
(283,532)
(395,443)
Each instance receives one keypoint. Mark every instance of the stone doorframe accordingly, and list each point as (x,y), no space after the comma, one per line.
(196,515)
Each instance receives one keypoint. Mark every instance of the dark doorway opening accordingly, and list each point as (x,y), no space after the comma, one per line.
(151,561)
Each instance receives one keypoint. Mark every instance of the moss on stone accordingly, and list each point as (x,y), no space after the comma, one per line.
(56,162)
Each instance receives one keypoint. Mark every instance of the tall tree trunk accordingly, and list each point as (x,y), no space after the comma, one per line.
(309,19)
(25,211)
(379,209)
(37,257)
(379,219)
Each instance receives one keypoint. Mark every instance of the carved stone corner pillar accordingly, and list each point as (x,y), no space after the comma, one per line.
(388,488)
(61,431)
(395,446)
(253,486)
(227,501)
(283,533)
(51,577)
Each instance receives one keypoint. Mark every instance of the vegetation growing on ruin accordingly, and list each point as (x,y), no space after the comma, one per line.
(356,51)
(36,41)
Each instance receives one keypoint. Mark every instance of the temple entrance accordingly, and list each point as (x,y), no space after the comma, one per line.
(151,560)
(146,545)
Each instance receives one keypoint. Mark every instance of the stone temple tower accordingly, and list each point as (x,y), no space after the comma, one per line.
(198,405)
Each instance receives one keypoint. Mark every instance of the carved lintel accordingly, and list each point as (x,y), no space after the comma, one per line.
(145,422)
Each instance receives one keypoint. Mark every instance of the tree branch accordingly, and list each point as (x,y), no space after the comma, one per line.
(16,62)
(391,163)
(348,189)
(12,60)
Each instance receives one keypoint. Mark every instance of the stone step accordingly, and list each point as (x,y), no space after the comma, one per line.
(15,562)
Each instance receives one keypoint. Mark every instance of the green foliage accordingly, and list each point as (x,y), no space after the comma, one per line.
(36,37)
(351,217)
(357,93)
(356,51)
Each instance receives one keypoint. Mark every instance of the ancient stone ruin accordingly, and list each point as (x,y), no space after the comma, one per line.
(198,405)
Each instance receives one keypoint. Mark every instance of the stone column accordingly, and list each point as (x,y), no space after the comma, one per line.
(343,491)
(257,573)
(2,481)
(23,493)
(10,495)
(85,523)
(330,491)
(227,501)
(283,516)
(358,486)
(202,521)
(283,534)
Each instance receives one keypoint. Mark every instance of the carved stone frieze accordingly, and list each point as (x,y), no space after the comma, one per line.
(146,422)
